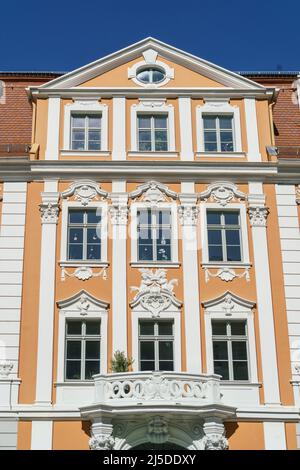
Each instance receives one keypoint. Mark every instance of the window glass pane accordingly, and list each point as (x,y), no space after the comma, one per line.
(213,218)
(144,76)
(93,251)
(166,365)
(232,237)
(225,122)
(214,237)
(210,136)
(92,328)
(78,120)
(164,252)
(93,216)
(226,137)
(75,235)
(227,147)
(221,368)
(161,137)
(157,76)
(164,217)
(165,350)
(144,217)
(147,350)
(233,253)
(78,135)
(238,328)
(92,236)
(145,146)
(219,328)
(144,136)
(77,145)
(215,253)
(145,236)
(164,244)
(209,122)
(145,253)
(75,252)
(240,370)
(231,218)
(161,146)
(144,122)
(147,365)
(73,370)
(94,135)
(94,122)
(92,349)
(239,350)
(73,349)
(165,328)
(91,368)
(220,350)
(160,122)
(147,328)
(76,217)
(74,327)
(211,147)
(94,145)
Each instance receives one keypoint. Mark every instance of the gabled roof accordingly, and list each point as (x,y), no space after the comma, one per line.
(225,77)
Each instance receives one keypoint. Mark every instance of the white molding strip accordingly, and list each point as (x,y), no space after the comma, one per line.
(190,277)
(41,435)
(186,137)
(52,149)
(274,434)
(264,294)
(119,128)
(118,212)
(252,130)
(49,215)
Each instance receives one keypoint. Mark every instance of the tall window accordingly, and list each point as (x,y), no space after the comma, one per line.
(84,231)
(86,131)
(152,132)
(82,356)
(218,133)
(224,236)
(230,349)
(154,235)
(156,340)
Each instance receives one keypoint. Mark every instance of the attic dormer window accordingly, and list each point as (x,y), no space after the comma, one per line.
(151,75)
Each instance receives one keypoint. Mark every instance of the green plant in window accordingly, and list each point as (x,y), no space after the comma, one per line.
(121,363)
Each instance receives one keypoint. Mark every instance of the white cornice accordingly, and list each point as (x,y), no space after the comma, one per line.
(134,51)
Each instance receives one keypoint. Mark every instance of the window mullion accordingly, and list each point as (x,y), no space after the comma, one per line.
(152,134)
(86,132)
(230,358)
(218,134)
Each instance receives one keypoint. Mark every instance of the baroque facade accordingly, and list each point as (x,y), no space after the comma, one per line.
(153,214)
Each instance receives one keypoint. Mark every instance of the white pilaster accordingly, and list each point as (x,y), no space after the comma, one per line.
(185,120)
(12,236)
(252,130)
(274,434)
(119,128)
(258,213)
(52,149)
(41,435)
(118,215)
(49,216)
(188,213)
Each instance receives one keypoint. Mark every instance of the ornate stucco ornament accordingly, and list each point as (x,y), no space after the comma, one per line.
(83,305)
(6,368)
(222,192)
(49,212)
(155,292)
(118,214)
(84,191)
(188,214)
(226,274)
(258,216)
(214,442)
(153,192)
(102,442)
(158,430)
(83,273)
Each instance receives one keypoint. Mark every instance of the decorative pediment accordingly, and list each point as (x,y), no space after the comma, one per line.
(84,191)
(155,293)
(82,302)
(228,303)
(222,192)
(153,192)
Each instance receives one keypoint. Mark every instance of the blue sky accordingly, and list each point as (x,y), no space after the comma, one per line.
(63,35)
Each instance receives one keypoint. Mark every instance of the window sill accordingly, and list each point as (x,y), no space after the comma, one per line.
(85,153)
(222,264)
(154,264)
(77,264)
(221,154)
(73,383)
(168,154)
(239,383)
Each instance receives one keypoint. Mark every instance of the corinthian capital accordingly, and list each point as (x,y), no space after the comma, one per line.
(258,216)
(188,214)
(101,442)
(49,208)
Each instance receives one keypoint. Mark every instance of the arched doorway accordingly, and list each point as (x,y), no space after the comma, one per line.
(151,446)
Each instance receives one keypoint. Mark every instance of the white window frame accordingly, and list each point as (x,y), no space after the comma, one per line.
(219,107)
(71,313)
(155,339)
(150,60)
(243,315)
(204,207)
(66,206)
(138,316)
(153,107)
(85,107)
(172,207)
